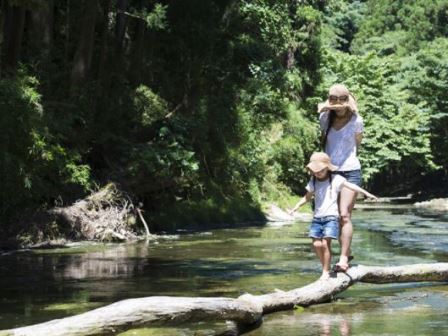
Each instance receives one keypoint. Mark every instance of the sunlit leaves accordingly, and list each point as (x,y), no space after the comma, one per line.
(149,105)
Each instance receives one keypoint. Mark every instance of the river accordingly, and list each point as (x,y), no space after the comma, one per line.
(41,285)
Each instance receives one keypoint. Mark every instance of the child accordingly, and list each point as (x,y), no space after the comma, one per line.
(325,187)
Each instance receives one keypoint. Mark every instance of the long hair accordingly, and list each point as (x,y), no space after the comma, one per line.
(331,116)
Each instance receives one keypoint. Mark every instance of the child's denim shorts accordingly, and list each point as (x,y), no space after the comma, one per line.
(324,227)
(352,176)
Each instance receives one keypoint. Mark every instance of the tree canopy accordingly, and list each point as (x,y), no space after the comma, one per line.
(212,104)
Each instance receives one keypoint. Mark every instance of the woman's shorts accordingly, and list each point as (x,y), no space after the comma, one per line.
(352,176)
(324,227)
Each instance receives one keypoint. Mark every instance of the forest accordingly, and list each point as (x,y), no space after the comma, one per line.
(204,111)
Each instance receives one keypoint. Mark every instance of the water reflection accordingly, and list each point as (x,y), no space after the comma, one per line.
(119,261)
(327,322)
(44,285)
(308,324)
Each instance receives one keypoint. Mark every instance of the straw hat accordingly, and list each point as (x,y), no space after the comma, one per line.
(339,90)
(319,161)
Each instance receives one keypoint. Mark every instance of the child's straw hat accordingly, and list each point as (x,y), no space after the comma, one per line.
(319,161)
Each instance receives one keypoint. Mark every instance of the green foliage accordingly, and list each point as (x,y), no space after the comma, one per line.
(211,102)
(35,168)
(342,20)
(156,19)
(397,72)
(167,162)
(425,75)
(413,22)
(149,106)
(294,148)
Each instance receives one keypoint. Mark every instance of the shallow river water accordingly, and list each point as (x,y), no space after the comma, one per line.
(40,285)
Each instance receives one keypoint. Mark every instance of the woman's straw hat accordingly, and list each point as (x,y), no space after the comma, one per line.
(339,90)
(319,161)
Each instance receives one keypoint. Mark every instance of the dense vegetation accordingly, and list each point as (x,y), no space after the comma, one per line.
(206,109)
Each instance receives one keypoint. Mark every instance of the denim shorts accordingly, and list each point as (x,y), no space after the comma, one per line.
(324,227)
(352,176)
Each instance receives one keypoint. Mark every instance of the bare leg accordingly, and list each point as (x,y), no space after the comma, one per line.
(326,249)
(317,244)
(346,202)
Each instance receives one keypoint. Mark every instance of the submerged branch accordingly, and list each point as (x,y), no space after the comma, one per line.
(245,310)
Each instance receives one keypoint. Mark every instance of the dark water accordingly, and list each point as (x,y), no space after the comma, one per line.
(43,285)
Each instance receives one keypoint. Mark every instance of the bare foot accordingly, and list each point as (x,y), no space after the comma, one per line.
(340,267)
(343,264)
(325,276)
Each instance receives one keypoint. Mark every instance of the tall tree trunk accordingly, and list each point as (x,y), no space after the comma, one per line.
(102,75)
(13,26)
(67,32)
(120,27)
(118,64)
(83,55)
(289,55)
(104,42)
(137,52)
(40,34)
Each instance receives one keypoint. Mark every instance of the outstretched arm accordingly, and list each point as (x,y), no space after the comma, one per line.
(354,187)
(358,139)
(302,201)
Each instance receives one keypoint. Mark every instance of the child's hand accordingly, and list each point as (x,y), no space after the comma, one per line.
(291,211)
(369,195)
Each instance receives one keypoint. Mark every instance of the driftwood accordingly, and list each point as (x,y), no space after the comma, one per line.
(244,311)
(148,234)
(104,215)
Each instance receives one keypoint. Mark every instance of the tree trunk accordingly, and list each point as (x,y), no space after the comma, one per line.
(245,310)
(41,28)
(118,63)
(104,44)
(13,27)
(84,51)
(68,30)
(137,53)
(102,75)
(120,27)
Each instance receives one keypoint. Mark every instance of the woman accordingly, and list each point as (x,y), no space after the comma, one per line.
(342,128)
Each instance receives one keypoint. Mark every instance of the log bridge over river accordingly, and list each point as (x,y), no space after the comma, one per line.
(245,311)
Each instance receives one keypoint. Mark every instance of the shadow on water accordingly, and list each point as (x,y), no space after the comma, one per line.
(41,285)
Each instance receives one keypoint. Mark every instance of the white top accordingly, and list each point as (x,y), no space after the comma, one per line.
(341,144)
(326,198)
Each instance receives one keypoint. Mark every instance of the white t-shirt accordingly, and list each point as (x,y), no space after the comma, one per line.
(341,144)
(326,198)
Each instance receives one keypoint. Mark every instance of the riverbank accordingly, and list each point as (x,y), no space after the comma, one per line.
(83,221)
(45,230)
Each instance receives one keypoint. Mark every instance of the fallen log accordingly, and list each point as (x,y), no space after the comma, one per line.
(245,310)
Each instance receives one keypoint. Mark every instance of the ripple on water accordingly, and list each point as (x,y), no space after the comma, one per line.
(423,231)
